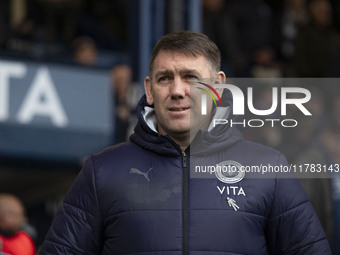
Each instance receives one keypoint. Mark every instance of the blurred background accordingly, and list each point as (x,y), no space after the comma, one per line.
(72,71)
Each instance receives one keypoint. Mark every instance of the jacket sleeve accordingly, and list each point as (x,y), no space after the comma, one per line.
(76,228)
(293,227)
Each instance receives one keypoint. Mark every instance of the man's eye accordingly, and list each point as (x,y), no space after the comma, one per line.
(191,78)
(164,79)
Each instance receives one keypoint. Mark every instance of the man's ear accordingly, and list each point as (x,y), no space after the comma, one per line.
(220,79)
(148,90)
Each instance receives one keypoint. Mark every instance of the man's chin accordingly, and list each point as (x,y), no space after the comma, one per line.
(179,130)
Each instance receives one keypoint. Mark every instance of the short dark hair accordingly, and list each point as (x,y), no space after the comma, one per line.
(188,42)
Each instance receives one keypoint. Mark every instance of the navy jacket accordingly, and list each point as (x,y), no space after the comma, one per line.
(137,198)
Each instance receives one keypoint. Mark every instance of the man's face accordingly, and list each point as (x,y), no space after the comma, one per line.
(171,89)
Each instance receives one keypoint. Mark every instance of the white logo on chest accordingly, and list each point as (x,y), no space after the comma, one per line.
(232,203)
(231,190)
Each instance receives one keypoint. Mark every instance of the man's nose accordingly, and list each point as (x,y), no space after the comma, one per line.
(178,89)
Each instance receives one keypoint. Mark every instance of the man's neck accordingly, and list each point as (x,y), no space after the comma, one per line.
(182,139)
(182,143)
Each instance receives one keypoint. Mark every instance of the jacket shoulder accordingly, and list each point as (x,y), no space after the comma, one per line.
(117,154)
(259,154)
(110,151)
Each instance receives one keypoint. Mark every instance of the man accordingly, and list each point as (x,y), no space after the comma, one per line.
(138,198)
(13,240)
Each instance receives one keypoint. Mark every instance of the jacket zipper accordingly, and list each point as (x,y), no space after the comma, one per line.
(185,205)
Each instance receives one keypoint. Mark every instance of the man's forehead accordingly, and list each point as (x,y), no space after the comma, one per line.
(178,55)
(165,61)
(180,70)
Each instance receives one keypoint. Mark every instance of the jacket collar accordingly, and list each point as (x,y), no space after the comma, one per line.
(205,142)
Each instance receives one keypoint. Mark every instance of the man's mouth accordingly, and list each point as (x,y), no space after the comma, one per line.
(178,109)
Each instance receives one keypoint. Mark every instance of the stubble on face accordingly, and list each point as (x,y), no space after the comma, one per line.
(176,102)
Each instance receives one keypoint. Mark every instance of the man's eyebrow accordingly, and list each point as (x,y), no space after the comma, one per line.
(163,72)
(190,71)
(182,72)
